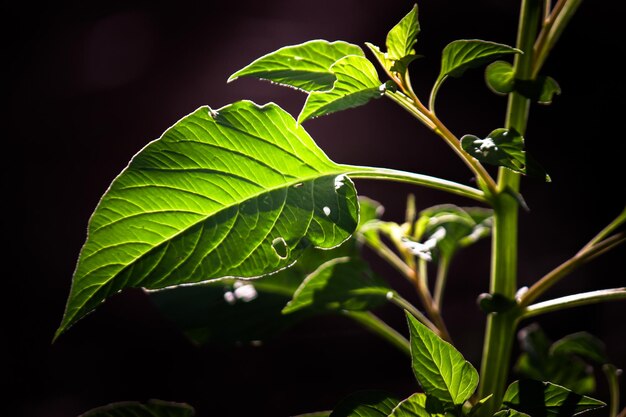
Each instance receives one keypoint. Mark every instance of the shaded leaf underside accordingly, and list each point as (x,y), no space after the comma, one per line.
(240,191)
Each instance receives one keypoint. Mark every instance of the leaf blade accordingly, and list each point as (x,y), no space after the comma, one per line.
(440,369)
(418,405)
(369,403)
(403,36)
(547,399)
(304,66)
(208,200)
(357,83)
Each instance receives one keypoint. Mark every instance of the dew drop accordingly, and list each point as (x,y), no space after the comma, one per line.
(340,181)
(280,248)
(298,185)
(246,292)
(326,210)
(389,295)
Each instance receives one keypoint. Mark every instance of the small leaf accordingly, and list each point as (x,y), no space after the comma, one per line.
(440,369)
(366,404)
(501,80)
(500,77)
(495,303)
(370,212)
(381,57)
(459,56)
(419,405)
(504,147)
(212,198)
(357,83)
(462,226)
(223,313)
(546,399)
(581,344)
(402,37)
(479,404)
(510,413)
(305,66)
(152,408)
(340,284)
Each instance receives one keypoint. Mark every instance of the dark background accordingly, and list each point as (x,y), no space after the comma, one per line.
(88,84)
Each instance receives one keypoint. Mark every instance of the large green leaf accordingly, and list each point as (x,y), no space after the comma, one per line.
(240,191)
(461,55)
(440,369)
(234,311)
(418,405)
(545,399)
(340,284)
(305,66)
(152,408)
(402,37)
(370,403)
(357,83)
(504,147)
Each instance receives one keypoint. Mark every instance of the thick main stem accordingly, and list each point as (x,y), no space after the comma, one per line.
(500,328)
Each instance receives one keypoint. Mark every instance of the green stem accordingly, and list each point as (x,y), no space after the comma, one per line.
(440,281)
(397,300)
(380,328)
(500,328)
(561,271)
(575,300)
(612,377)
(373,173)
(610,228)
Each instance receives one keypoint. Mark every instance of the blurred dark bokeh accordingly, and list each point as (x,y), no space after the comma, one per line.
(88,84)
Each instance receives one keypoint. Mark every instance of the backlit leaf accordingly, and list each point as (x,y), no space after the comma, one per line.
(504,147)
(500,77)
(305,66)
(152,408)
(581,344)
(402,37)
(340,284)
(357,83)
(240,191)
(366,404)
(545,399)
(440,369)
(418,405)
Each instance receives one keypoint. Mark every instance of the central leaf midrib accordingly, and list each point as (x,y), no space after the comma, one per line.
(205,218)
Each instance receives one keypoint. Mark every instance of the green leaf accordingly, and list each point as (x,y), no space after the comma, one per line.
(510,413)
(504,147)
(152,408)
(461,226)
(240,191)
(305,66)
(459,56)
(440,369)
(581,344)
(538,361)
(419,405)
(500,77)
(546,399)
(357,83)
(232,311)
(340,284)
(368,403)
(370,212)
(403,36)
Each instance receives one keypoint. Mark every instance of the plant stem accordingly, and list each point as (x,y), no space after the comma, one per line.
(429,304)
(554,276)
(419,111)
(379,327)
(574,300)
(394,260)
(612,377)
(619,220)
(397,299)
(500,328)
(440,281)
(373,173)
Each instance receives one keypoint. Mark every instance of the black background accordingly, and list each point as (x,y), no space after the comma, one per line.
(88,84)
